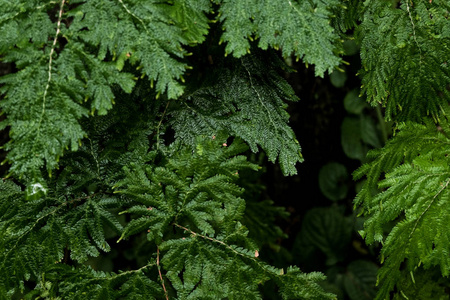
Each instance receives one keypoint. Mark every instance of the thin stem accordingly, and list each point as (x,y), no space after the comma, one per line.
(160,274)
(412,22)
(428,207)
(222,243)
(133,15)
(49,79)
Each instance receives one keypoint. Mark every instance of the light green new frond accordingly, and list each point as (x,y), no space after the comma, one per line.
(405,57)
(301,28)
(415,194)
(245,100)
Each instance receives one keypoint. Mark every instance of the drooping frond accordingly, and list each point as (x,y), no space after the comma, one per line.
(406,57)
(69,63)
(301,28)
(69,67)
(413,173)
(39,233)
(246,99)
(189,205)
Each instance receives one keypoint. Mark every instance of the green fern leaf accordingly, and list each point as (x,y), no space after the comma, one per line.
(405,55)
(247,101)
(414,192)
(301,28)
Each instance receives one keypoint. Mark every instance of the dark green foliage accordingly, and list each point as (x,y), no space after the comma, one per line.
(248,94)
(414,165)
(130,133)
(86,49)
(192,193)
(303,29)
(405,55)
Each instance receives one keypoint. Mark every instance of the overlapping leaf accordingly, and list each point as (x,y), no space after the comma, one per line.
(78,58)
(301,28)
(406,57)
(248,101)
(415,195)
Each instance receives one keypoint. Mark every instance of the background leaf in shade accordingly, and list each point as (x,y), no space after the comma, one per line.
(351,138)
(338,79)
(360,280)
(369,132)
(353,103)
(332,181)
(327,229)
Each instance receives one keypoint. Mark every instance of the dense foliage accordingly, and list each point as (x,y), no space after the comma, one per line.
(139,123)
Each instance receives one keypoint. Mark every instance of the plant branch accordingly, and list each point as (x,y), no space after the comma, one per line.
(253,258)
(160,275)
(382,123)
(49,79)
(428,207)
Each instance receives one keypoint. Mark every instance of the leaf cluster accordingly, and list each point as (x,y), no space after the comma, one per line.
(411,173)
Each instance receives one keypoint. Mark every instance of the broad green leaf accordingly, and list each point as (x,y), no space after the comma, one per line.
(353,103)
(360,279)
(328,230)
(332,181)
(351,139)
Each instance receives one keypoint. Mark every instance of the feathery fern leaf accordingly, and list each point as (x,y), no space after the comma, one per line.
(245,100)
(85,283)
(414,193)
(46,231)
(406,57)
(301,28)
(189,205)
(197,188)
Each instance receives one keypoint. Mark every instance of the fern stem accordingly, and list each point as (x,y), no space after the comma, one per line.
(58,30)
(160,275)
(413,25)
(133,15)
(428,207)
(259,96)
(253,258)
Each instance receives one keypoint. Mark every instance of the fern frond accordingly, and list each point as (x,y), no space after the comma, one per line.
(46,231)
(78,59)
(405,54)
(84,282)
(246,100)
(414,193)
(189,205)
(301,28)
